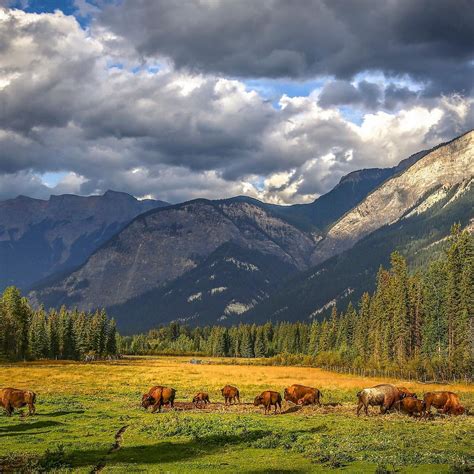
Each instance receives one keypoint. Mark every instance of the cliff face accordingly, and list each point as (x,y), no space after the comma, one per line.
(444,167)
(38,238)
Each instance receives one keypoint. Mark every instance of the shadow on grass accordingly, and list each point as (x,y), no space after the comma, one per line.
(60,413)
(25,428)
(167,452)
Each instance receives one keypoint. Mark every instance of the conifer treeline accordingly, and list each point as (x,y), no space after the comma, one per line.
(36,334)
(421,322)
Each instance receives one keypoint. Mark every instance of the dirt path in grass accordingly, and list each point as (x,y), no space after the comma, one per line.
(115,447)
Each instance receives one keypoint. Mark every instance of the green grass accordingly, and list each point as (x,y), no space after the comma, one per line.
(81,407)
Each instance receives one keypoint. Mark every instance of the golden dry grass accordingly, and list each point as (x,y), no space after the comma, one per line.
(139,373)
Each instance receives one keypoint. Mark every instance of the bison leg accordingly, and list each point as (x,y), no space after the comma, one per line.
(361,404)
(31,409)
(279,406)
(238,398)
(9,409)
(156,406)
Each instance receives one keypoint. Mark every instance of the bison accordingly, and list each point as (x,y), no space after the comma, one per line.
(158,396)
(410,406)
(384,395)
(296,392)
(201,397)
(267,399)
(230,394)
(404,392)
(447,402)
(11,398)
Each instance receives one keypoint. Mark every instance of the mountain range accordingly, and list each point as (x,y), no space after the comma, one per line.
(238,259)
(39,238)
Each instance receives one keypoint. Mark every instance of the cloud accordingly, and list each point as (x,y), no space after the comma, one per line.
(80,102)
(428,40)
(366,94)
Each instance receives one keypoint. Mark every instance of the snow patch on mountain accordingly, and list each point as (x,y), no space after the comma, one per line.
(219,289)
(242,265)
(194,297)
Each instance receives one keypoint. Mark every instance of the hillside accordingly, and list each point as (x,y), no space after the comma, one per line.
(420,236)
(41,237)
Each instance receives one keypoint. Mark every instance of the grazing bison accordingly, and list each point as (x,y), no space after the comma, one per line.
(230,394)
(157,397)
(296,392)
(384,395)
(410,406)
(447,402)
(201,397)
(11,398)
(404,392)
(267,399)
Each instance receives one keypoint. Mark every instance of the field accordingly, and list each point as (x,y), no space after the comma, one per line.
(89,419)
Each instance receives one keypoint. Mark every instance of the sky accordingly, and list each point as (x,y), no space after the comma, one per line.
(275,99)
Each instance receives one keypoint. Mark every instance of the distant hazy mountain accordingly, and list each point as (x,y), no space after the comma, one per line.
(39,238)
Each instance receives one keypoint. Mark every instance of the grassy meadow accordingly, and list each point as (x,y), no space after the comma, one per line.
(89,420)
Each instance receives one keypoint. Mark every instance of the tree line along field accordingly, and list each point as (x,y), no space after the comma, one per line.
(89,419)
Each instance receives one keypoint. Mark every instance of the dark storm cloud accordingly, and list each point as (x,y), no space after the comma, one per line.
(340,92)
(279,38)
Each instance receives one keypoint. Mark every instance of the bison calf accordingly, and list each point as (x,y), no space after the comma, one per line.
(447,402)
(309,399)
(11,398)
(410,406)
(230,394)
(201,397)
(157,397)
(267,399)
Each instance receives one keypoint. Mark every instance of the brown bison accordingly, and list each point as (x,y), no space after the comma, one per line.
(267,399)
(406,392)
(384,395)
(201,397)
(157,397)
(230,394)
(447,402)
(296,392)
(11,398)
(410,406)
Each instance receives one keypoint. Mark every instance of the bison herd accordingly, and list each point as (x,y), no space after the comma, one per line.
(388,397)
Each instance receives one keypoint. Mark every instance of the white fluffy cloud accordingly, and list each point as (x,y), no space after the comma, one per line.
(79,102)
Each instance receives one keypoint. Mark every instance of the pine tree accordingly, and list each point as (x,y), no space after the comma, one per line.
(38,342)
(259,346)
